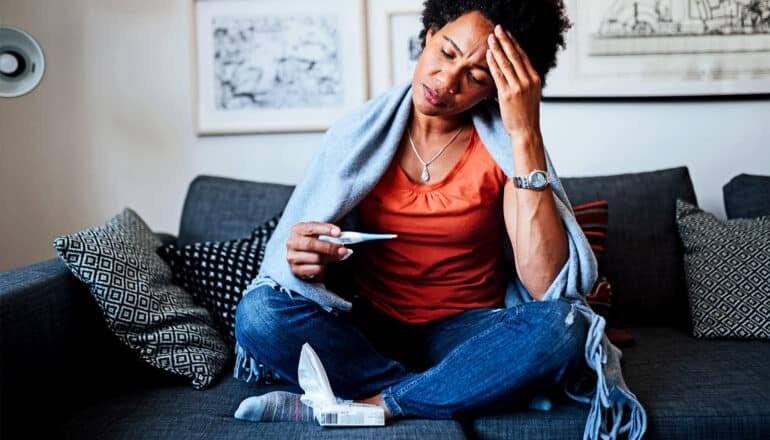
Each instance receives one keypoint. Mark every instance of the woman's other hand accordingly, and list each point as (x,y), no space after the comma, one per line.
(518,84)
(307,255)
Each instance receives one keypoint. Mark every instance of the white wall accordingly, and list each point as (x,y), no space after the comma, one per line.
(111,126)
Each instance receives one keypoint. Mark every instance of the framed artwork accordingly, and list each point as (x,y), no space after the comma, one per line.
(270,66)
(394,41)
(624,48)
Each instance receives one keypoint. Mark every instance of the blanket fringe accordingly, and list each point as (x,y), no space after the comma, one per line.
(604,406)
(247,368)
(250,370)
(262,280)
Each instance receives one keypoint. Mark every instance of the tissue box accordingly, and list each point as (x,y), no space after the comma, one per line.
(350,414)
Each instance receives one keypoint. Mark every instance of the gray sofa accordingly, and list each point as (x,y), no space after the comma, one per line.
(64,375)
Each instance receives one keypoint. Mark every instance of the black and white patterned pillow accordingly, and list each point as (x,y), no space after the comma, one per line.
(132,285)
(216,272)
(727,267)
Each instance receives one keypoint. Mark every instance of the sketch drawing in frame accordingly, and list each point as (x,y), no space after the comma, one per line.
(394,44)
(634,48)
(272,66)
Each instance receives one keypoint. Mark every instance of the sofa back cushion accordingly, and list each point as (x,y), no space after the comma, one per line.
(643,258)
(747,196)
(220,208)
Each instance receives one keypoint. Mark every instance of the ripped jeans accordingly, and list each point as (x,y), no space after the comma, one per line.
(467,364)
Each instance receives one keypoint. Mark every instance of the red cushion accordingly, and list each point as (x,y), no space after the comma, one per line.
(593,219)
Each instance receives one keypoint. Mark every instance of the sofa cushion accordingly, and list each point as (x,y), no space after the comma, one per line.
(173,411)
(132,286)
(747,196)
(643,256)
(728,273)
(691,389)
(220,208)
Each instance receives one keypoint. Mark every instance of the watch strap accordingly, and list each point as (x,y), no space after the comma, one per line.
(525,182)
(521,182)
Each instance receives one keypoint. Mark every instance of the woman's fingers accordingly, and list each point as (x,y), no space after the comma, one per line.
(512,56)
(503,63)
(299,258)
(497,74)
(307,255)
(533,75)
(313,244)
(304,238)
(512,61)
(315,228)
(308,271)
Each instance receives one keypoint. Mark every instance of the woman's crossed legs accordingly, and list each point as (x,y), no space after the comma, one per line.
(463,364)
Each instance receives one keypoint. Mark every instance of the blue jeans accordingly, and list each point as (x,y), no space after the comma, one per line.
(462,365)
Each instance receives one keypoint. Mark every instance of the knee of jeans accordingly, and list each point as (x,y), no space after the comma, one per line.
(576,326)
(256,316)
(567,325)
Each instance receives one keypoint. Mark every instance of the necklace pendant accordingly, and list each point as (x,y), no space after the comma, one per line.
(425,175)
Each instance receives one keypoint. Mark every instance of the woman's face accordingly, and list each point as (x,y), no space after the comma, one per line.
(452,74)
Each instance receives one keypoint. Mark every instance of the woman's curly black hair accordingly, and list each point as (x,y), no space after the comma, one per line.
(538,25)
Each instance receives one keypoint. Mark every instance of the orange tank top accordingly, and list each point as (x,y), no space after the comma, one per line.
(448,256)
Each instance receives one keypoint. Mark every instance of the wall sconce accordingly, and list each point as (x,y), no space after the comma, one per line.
(21,62)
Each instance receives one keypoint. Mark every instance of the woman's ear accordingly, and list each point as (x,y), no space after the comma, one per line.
(428,35)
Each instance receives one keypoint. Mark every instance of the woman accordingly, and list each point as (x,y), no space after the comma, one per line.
(421,326)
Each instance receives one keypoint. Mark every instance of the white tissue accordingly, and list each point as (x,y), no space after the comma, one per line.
(319,396)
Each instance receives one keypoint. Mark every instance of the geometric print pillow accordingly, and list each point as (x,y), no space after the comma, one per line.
(215,273)
(727,268)
(132,286)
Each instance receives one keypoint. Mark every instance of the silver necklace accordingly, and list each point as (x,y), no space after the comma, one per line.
(425,174)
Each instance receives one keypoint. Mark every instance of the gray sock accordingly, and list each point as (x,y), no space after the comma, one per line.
(276,406)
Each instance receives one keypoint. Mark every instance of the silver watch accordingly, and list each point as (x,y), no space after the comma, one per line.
(537,180)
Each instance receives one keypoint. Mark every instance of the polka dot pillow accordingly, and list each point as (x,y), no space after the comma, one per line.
(216,272)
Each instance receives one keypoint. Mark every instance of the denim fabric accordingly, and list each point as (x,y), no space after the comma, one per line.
(460,365)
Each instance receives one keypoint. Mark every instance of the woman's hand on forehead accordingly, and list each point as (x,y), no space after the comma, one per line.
(518,84)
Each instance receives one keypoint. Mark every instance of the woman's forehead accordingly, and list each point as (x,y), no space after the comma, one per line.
(470,26)
(469,32)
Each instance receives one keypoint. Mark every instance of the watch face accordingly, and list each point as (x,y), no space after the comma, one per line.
(538,180)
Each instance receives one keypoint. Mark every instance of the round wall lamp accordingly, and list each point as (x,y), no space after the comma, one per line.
(21,62)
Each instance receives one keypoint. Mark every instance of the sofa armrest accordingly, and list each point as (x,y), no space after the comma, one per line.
(54,343)
(41,311)
(39,307)
(45,312)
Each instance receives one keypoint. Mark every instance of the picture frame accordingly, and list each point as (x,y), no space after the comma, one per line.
(662,48)
(394,46)
(276,66)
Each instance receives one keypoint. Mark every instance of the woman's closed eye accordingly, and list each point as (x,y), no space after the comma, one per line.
(474,79)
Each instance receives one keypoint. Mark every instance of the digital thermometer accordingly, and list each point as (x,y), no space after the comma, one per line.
(351,237)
